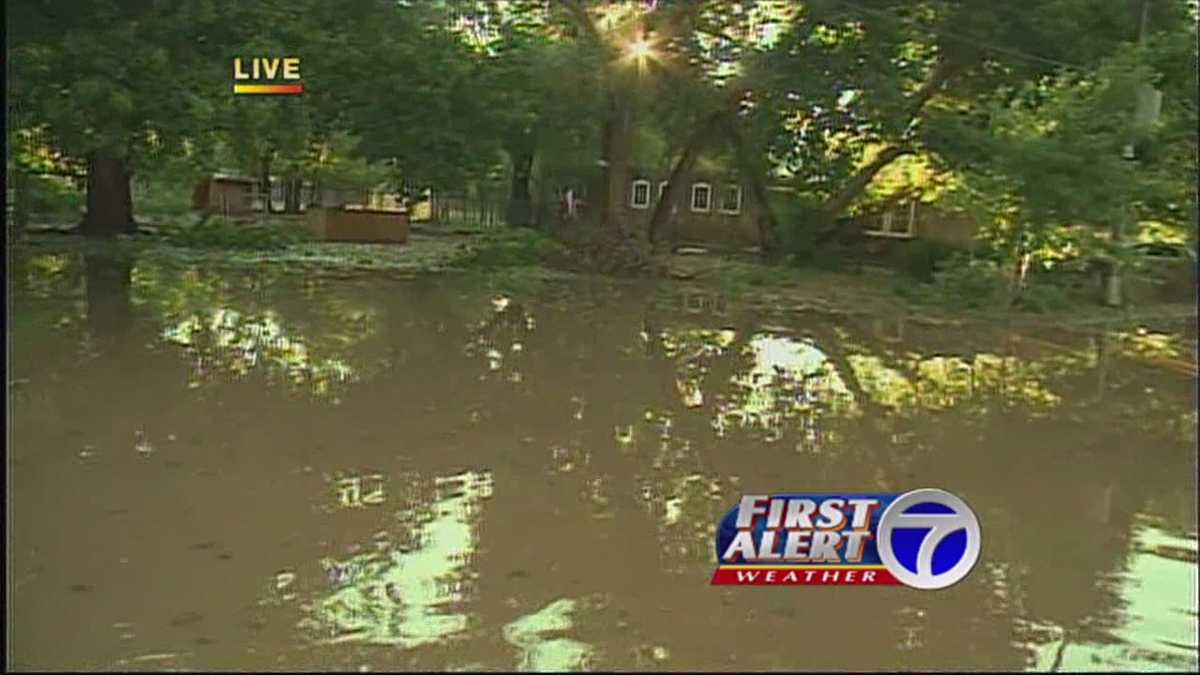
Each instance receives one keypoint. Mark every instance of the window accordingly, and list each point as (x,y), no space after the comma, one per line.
(701,196)
(640,196)
(731,199)
(897,221)
(277,197)
(307,195)
(662,190)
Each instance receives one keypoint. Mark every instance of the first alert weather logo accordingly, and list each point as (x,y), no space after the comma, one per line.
(927,539)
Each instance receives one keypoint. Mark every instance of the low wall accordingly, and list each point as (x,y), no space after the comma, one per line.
(364,225)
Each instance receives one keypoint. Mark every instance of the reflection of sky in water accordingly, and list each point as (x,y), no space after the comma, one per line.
(402,597)
(1158,629)
(541,648)
(787,377)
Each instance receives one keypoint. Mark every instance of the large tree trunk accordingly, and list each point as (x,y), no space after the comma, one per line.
(618,129)
(679,173)
(520,201)
(767,223)
(109,199)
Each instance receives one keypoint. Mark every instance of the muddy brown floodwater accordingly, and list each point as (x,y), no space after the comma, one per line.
(248,470)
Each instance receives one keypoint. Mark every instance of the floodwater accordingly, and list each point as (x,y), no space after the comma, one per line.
(260,470)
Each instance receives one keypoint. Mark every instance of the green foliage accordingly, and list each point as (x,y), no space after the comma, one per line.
(1044,298)
(920,258)
(736,279)
(920,294)
(161,196)
(219,233)
(54,196)
(1025,104)
(337,163)
(1049,155)
(796,217)
(133,80)
(972,283)
(516,248)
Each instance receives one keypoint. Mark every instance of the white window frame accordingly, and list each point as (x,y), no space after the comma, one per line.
(662,188)
(633,203)
(889,227)
(736,209)
(708,202)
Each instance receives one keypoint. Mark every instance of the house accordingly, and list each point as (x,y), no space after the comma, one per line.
(717,208)
(712,209)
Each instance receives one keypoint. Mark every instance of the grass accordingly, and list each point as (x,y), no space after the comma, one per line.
(743,278)
(222,234)
(515,248)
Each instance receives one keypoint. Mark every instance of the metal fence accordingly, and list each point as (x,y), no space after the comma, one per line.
(460,209)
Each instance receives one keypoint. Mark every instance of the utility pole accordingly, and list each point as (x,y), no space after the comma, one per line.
(1113,296)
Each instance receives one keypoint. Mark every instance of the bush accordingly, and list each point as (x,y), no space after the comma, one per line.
(796,234)
(218,233)
(51,195)
(517,248)
(798,244)
(920,259)
(1043,298)
(161,196)
(973,283)
(917,293)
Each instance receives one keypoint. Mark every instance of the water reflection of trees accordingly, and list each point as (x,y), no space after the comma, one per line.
(1004,405)
(598,424)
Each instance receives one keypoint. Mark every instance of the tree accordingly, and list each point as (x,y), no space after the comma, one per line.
(1059,162)
(709,58)
(116,84)
(429,118)
(617,43)
(536,90)
(122,85)
(879,77)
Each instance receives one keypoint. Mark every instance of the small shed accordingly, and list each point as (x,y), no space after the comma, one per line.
(225,193)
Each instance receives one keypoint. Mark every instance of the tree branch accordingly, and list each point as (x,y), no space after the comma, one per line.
(835,205)
(863,177)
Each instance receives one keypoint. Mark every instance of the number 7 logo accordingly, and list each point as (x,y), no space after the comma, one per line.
(929,539)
